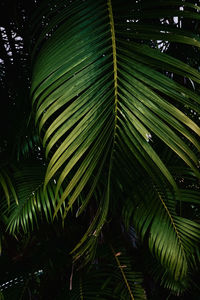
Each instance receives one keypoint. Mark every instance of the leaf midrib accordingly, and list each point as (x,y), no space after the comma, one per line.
(172,222)
(114,53)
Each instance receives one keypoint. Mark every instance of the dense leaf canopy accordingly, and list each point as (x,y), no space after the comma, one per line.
(100,147)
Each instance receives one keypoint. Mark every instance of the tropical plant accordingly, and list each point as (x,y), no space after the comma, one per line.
(109,151)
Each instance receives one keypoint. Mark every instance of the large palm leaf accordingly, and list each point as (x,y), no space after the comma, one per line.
(92,93)
(105,107)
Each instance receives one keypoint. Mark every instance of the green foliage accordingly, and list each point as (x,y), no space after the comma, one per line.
(114,149)
(111,276)
(28,201)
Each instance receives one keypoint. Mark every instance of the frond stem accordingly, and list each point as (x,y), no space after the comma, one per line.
(172,221)
(123,274)
(112,27)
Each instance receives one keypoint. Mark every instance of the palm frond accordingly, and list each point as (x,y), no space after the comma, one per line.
(104,104)
(87,245)
(93,83)
(110,276)
(172,239)
(130,286)
(33,203)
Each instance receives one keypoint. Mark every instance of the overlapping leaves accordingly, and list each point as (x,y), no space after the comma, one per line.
(28,203)
(95,86)
(173,239)
(103,100)
(114,277)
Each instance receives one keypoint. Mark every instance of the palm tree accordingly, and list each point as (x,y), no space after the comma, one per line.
(109,150)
